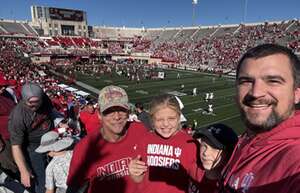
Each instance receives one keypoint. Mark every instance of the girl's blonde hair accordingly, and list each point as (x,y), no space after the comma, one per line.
(164,100)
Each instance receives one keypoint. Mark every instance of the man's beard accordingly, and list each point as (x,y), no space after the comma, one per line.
(272,120)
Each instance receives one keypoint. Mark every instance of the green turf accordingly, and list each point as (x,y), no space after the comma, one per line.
(222,87)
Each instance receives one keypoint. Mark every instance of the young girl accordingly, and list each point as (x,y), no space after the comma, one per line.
(217,142)
(165,156)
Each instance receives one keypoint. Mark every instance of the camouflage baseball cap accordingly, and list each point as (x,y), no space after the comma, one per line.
(112,96)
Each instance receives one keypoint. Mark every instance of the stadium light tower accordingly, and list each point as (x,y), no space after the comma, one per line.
(194,3)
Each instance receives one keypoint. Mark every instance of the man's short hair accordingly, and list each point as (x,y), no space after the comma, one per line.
(264,50)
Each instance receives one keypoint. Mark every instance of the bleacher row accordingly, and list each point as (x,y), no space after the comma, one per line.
(14,28)
(213,46)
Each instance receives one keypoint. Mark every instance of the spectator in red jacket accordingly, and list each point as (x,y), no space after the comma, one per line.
(266,158)
(90,117)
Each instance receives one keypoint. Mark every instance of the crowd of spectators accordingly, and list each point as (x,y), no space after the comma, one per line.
(81,115)
(74,116)
(216,52)
(219,53)
(17,70)
(211,51)
(223,51)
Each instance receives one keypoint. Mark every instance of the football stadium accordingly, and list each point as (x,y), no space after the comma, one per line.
(72,60)
(204,57)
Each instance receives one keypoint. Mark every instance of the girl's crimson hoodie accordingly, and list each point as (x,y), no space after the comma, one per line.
(268,162)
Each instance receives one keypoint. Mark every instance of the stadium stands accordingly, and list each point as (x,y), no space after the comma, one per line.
(14,27)
(203,47)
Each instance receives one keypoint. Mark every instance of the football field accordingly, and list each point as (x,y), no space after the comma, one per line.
(195,107)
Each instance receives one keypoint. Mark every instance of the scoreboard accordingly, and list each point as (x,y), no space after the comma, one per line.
(66,14)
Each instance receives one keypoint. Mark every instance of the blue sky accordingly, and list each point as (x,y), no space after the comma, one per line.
(160,13)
